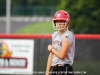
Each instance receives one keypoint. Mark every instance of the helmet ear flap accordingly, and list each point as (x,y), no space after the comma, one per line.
(67,22)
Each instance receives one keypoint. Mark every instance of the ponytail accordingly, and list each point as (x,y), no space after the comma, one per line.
(69,29)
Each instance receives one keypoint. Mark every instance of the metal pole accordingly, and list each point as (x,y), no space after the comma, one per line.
(8,16)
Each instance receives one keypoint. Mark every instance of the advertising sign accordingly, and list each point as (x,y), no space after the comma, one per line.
(16,56)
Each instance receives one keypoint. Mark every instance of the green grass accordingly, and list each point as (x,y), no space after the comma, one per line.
(37,28)
(90,67)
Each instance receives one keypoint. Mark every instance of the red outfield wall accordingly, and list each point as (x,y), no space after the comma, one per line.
(48,36)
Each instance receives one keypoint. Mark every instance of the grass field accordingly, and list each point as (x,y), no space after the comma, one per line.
(37,28)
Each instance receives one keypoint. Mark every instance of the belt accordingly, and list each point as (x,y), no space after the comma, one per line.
(61,65)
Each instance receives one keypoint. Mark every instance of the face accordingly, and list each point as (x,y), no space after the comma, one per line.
(60,24)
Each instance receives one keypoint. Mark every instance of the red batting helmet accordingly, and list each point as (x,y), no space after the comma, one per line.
(61,15)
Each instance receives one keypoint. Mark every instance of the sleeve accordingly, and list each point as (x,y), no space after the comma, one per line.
(70,38)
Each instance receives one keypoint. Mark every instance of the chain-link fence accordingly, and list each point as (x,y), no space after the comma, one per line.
(33,11)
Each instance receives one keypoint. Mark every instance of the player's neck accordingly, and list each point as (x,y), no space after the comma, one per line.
(62,31)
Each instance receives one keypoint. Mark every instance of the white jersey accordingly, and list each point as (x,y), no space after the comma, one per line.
(57,42)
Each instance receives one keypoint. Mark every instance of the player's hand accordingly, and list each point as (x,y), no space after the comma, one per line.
(47,73)
(50,47)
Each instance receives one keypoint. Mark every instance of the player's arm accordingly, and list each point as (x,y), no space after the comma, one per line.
(62,53)
(49,61)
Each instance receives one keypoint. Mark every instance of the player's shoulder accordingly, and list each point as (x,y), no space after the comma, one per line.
(69,33)
(55,33)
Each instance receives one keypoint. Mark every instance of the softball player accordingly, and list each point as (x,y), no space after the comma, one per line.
(62,50)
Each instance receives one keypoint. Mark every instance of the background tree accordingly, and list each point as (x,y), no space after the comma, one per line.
(84,15)
(2,7)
